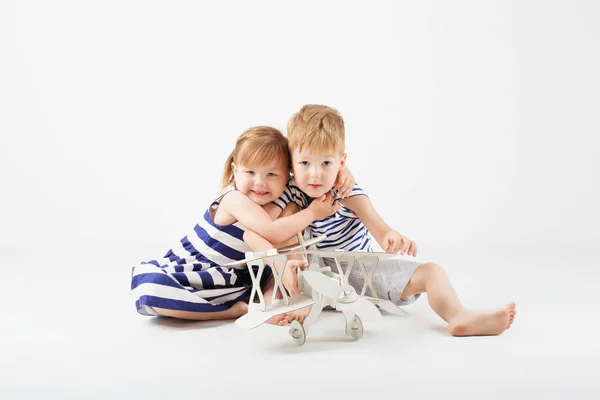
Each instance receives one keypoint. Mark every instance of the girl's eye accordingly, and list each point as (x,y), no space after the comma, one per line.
(304,163)
(250,172)
(271,174)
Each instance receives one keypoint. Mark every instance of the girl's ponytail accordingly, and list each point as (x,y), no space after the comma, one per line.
(228,171)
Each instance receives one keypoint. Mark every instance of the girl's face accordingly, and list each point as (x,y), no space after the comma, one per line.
(262,184)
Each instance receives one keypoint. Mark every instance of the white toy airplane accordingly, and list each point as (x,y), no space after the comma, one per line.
(319,287)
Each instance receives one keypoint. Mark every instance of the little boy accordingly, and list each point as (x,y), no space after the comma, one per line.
(316,136)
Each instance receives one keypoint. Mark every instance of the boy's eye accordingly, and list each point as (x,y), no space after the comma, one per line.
(250,172)
(327,163)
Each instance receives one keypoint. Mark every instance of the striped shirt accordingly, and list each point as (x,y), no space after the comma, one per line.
(344,230)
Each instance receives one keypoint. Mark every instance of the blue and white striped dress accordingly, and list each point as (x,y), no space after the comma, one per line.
(344,229)
(191,275)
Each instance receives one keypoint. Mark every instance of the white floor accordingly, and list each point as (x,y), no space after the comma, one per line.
(70,330)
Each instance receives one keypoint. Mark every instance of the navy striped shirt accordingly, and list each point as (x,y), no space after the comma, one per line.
(344,230)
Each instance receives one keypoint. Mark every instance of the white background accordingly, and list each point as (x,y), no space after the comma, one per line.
(472,125)
(468,122)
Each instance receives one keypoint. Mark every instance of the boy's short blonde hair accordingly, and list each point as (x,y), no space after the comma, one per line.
(316,127)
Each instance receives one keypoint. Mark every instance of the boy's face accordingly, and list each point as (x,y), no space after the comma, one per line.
(315,172)
(262,184)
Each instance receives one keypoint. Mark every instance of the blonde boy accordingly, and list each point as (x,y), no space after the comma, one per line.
(316,138)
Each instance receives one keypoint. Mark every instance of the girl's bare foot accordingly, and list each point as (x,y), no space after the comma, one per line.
(473,323)
(276,320)
(299,315)
(287,318)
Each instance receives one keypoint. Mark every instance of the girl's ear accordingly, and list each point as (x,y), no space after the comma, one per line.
(233,167)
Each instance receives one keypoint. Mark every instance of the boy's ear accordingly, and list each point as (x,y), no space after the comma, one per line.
(343,160)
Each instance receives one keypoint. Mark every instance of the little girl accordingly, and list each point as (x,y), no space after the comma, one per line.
(190,281)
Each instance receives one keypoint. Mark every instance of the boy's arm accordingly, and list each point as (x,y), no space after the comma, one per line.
(388,239)
(364,210)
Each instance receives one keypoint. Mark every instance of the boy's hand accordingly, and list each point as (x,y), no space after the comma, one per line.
(324,206)
(290,276)
(344,183)
(393,242)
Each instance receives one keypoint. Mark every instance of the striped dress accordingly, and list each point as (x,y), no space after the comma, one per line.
(191,275)
(344,229)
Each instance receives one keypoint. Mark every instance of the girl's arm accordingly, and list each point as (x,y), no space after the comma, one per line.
(256,219)
(258,243)
(274,210)
(344,183)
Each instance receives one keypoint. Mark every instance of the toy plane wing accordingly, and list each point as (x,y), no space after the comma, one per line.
(303,245)
(341,253)
(295,249)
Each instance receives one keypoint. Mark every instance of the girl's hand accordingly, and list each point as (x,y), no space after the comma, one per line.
(324,206)
(344,183)
(393,242)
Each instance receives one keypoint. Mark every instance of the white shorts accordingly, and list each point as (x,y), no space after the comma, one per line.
(390,278)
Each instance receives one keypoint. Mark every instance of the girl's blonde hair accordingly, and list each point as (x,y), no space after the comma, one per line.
(256,146)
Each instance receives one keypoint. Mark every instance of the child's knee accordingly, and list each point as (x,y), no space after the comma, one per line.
(431,269)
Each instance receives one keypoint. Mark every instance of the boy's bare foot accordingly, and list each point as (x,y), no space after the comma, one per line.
(473,323)
(299,315)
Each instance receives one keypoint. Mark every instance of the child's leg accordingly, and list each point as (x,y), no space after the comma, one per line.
(268,293)
(237,310)
(161,291)
(432,279)
(258,243)
(175,291)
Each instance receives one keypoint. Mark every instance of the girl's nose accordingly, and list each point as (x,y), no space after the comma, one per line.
(259,181)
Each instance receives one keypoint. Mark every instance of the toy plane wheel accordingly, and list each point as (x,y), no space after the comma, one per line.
(297,333)
(355,328)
